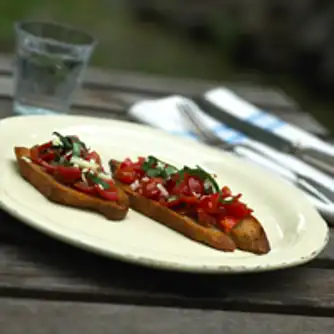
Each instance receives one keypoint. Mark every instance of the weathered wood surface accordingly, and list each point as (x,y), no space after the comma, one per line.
(106,102)
(21,316)
(153,85)
(54,271)
(82,292)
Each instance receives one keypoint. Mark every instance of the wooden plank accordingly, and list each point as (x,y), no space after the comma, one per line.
(41,317)
(84,98)
(101,102)
(44,269)
(137,82)
(13,231)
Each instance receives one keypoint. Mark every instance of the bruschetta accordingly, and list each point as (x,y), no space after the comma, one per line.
(189,201)
(65,171)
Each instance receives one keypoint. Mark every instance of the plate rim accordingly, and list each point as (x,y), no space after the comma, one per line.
(156,263)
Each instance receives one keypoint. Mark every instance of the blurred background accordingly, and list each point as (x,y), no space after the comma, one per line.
(284,43)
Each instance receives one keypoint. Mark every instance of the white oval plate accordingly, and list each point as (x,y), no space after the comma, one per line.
(296,231)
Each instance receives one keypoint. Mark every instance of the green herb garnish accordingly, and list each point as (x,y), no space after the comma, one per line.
(149,163)
(169,171)
(152,169)
(98,181)
(210,178)
(76,149)
(65,140)
(226,201)
(201,174)
(153,172)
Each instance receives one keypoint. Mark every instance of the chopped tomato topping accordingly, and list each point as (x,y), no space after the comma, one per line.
(192,192)
(71,163)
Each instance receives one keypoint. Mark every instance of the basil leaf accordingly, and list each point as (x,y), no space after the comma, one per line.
(149,162)
(226,201)
(200,173)
(210,178)
(98,181)
(76,140)
(76,149)
(153,172)
(66,142)
(168,171)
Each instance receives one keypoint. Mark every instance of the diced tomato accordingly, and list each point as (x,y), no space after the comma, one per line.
(43,147)
(126,163)
(110,195)
(126,175)
(93,156)
(150,189)
(205,219)
(227,224)
(47,167)
(237,209)
(226,192)
(48,156)
(180,188)
(83,187)
(190,200)
(195,185)
(209,203)
(67,175)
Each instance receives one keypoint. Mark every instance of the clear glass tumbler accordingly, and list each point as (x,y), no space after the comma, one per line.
(49,63)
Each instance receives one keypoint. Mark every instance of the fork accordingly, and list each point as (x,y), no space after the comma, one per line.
(210,138)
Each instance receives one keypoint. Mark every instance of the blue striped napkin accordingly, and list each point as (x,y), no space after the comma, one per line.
(231,103)
(163,114)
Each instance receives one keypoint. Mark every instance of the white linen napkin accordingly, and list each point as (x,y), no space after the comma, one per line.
(163,114)
(236,106)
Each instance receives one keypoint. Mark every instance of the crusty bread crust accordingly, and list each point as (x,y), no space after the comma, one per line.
(248,235)
(182,224)
(62,194)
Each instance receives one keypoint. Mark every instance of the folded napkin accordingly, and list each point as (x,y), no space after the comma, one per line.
(236,106)
(163,114)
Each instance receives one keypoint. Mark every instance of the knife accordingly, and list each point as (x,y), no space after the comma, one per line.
(316,158)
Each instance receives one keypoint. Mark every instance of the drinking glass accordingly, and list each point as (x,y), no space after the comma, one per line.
(49,63)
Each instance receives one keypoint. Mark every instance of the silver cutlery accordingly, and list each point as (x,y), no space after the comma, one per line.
(209,137)
(312,156)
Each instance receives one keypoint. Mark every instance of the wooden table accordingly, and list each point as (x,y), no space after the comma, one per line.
(50,287)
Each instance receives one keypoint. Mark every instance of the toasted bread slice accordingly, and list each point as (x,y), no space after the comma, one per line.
(248,235)
(182,224)
(62,194)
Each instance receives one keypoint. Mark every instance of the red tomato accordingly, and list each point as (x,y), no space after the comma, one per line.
(150,189)
(48,156)
(110,194)
(209,203)
(93,156)
(126,163)
(226,192)
(44,147)
(195,185)
(205,219)
(189,200)
(180,188)
(237,209)
(126,175)
(67,174)
(81,186)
